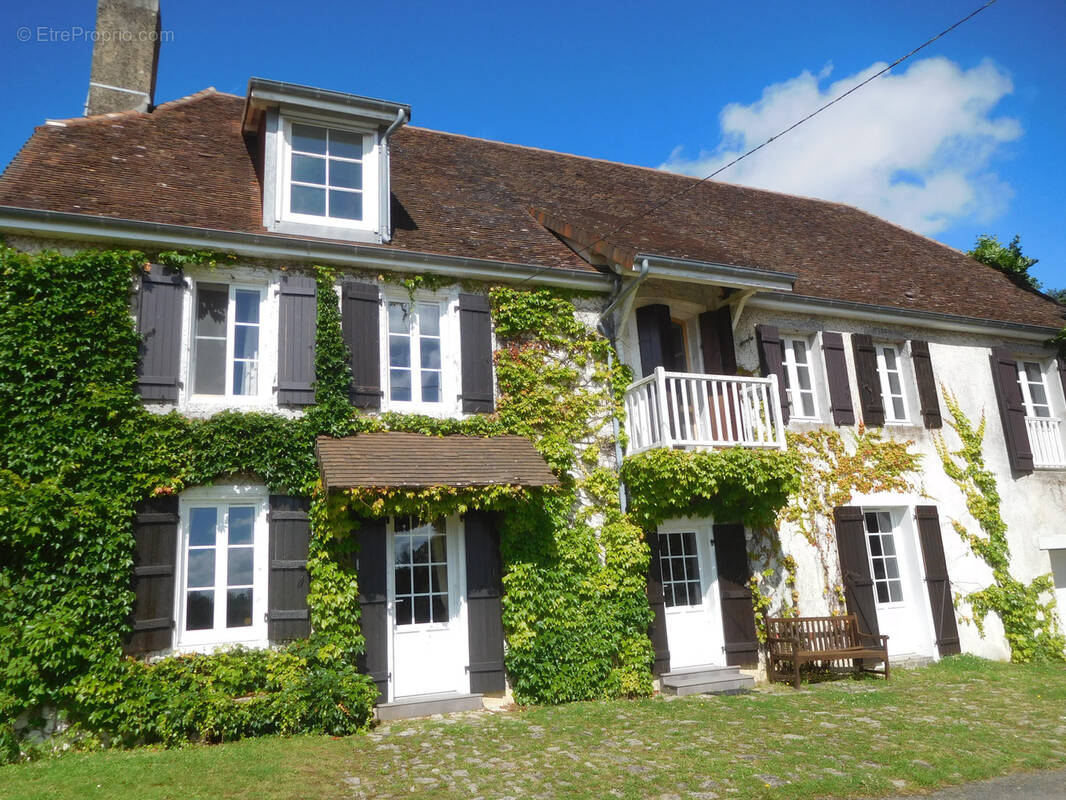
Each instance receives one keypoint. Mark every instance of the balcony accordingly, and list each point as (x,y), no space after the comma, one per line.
(680,409)
(1045,439)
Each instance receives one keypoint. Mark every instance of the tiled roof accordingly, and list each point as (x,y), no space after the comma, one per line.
(186,163)
(412,460)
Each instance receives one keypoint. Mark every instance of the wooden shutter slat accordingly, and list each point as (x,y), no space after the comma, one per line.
(855,567)
(160,299)
(475,356)
(653,336)
(836,370)
(484,609)
(771,362)
(155,534)
(657,629)
(738,610)
(297,313)
(360,324)
(289,581)
(1011,410)
(716,336)
(373,604)
(937,582)
(928,396)
(870,400)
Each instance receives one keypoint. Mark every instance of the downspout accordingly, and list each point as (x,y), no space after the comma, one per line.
(401,118)
(385,224)
(622,296)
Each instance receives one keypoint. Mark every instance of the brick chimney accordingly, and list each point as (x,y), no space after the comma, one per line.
(125,56)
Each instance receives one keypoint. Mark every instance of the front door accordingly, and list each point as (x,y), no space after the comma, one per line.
(899,592)
(690,588)
(426,586)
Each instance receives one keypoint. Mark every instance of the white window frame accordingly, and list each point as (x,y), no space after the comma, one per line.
(886,394)
(254,635)
(450,368)
(1026,388)
(896,532)
(792,368)
(267,341)
(371,177)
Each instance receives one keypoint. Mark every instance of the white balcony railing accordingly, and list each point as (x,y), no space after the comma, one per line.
(1045,438)
(679,409)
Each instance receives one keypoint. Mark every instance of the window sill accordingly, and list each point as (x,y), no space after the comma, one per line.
(259,642)
(436,410)
(328,229)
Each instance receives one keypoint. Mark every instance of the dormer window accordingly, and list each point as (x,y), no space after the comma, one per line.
(323,159)
(327,170)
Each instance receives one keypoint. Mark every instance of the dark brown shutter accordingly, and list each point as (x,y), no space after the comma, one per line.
(475,340)
(290,535)
(1011,409)
(1061,363)
(923,376)
(836,372)
(936,580)
(373,604)
(159,305)
(771,362)
(870,400)
(716,334)
(738,611)
(653,336)
(297,313)
(855,567)
(360,312)
(657,629)
(484,612)
(155,535)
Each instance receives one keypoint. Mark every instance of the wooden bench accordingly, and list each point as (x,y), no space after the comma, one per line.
(804,640)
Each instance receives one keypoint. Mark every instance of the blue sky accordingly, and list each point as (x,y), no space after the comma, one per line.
(965,138)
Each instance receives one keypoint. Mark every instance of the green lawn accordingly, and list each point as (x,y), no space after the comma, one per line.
(957,721)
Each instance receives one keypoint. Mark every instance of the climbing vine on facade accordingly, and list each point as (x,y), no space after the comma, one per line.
(1027,611)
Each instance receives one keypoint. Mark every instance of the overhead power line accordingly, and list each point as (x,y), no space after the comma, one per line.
(667,199)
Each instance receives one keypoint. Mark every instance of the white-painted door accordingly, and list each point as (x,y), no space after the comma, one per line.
(899,589)
(427,613)
(690,587)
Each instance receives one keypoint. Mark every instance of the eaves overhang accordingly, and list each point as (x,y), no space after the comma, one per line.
(265,93)
(707,272)
(139,234)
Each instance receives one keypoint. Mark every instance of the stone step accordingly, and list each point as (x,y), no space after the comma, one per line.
(424,705)
(909,660)
(705,680)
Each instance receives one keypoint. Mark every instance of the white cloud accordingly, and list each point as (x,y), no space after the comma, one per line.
(913,147)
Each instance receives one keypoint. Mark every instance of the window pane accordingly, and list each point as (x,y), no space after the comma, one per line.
(667,569)
(420,579)
(403,610)
(201,568)
(439,576)
(884,520)
(882,593)
(238,608)
(692,568)
(808,405)
(247,301)
(440,608)
(200,611)
(895,591)
(212,300)
(871,522)
(345,205)
(403,580)
(893,383)
(889,545)
(309,169)
(399,351)
(803,374)
(202,527)
(239,566)
(420,549)
(422,610)
(400,385)
(345,174)
(890,357)
(695,596)
(245,378)
(403,550)
(429,319)
(398,322)
(246,341)
(241,523)
(345,144)
(309,139)
(875,546)
(210,373)
(1032,372)
(430,353)
(430,387)
(892,568)
(1036,391)
(879,569)
(438,550)
(308,200)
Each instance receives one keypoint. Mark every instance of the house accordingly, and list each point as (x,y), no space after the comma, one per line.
(750,320)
